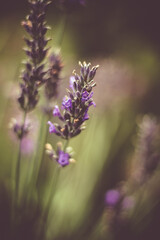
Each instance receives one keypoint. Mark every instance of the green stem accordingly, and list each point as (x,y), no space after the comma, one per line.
(38,155)
(54,183)
(18,165)
(43,147)
(52,192)
(65,145)
(53,189)
(50,199)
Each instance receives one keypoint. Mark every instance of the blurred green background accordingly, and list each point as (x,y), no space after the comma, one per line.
(123,37)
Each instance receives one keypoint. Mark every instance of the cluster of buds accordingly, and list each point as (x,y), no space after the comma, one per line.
(63,158)
(21,130)
(34,74)
(76,104)
(55,68)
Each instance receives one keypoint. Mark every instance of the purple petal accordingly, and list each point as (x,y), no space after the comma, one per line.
(86,96)
(63,159)
(72,80)
(112,197)
(67,103)
(56,111)
(92,103)
(52,128)
(86,116)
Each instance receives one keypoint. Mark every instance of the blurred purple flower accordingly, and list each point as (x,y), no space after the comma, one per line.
(21,130)
(52,83)
(29,139)
(112,197)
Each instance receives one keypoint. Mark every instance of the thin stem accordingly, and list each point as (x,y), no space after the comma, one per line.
(66,144)
(53,189)
(35,169)
(43,147)
(18,165)
(50,199)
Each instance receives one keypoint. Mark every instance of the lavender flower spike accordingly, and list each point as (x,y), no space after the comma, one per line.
(76,104)
(147,156)
(34,75)
(51,86)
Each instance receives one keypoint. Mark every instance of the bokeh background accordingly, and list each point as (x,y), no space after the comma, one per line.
(123,37)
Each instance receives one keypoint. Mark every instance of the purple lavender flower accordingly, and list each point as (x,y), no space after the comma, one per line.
(20,129)
(112,197)
(71,82)
(52,128)
(92,103)
(23,132)
(86,96)
(56,111)
(86,116)
(67,103)
(34,75)
(63,158)
(77,103)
